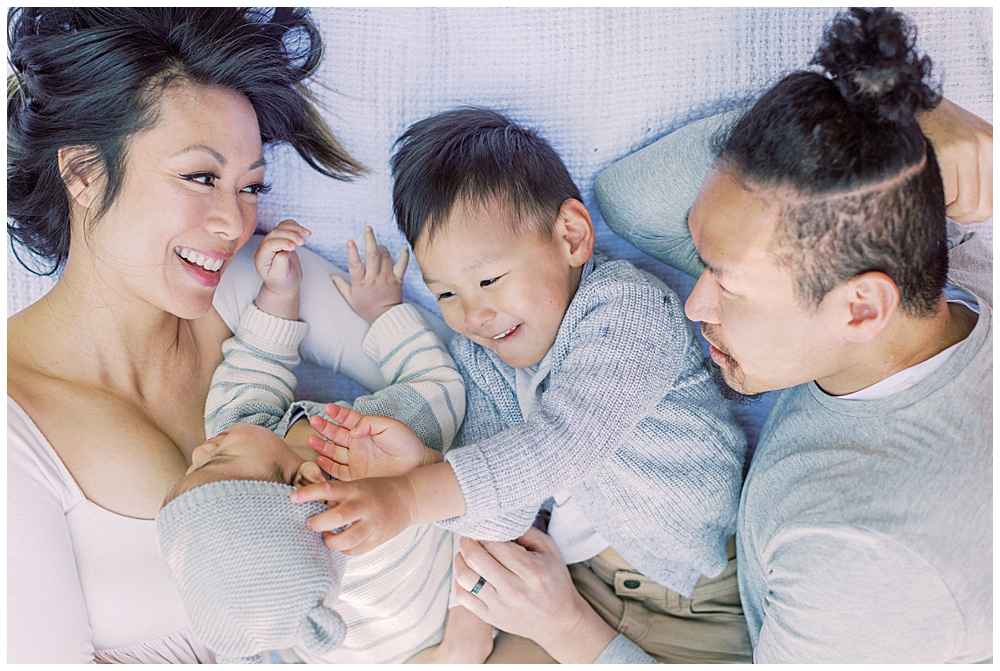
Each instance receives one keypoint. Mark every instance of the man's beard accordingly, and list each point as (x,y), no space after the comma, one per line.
(728,393)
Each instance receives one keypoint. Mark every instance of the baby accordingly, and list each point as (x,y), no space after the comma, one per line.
(227,535)
(586,394)
(392,600)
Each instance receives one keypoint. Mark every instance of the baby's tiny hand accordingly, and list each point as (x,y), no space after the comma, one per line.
(278,265)
(375,285)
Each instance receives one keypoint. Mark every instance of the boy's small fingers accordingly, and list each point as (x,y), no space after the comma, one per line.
(327,465)
(321,491)
(321,446)
(351,540)
(329,520)
(346,417)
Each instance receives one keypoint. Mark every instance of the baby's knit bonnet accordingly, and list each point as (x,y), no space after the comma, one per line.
(251,575)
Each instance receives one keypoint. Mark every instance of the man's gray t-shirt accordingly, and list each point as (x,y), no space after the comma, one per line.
(865,527)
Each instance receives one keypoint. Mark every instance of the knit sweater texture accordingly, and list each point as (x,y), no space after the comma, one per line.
(629,422)
(394,598)
(866,527)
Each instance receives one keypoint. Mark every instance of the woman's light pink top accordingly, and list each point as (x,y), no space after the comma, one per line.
(83,584)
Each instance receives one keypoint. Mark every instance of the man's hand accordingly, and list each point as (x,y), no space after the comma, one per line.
(362,515)
(529,592)
(963,144)
(375,285)
(367,446)
(278,265)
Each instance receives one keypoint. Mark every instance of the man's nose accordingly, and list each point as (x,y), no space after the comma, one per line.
(702,304)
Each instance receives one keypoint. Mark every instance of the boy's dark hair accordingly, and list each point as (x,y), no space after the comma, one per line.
(859,183)
(94,77)
(479,157)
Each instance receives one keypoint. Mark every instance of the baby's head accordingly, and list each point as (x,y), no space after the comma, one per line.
(497,225)
(246,452)
(251,574)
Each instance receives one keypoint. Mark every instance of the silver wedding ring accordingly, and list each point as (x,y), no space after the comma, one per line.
(479,585)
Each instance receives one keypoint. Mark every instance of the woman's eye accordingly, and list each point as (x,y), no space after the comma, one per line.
(447,294)
(256,189)
(206,178)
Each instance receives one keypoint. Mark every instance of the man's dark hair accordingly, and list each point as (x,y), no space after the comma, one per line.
(859,183)
(478,157)
(94,77)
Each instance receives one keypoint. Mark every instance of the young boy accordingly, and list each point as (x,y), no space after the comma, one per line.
(393,599)
(584,385)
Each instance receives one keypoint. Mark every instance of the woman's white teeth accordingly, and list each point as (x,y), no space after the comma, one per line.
(505,333)
(199,259)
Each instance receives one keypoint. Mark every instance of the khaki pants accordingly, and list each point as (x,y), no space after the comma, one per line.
(708,626)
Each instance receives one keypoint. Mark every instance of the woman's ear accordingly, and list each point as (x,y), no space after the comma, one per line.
(76,168)
(309,474)
(576,230)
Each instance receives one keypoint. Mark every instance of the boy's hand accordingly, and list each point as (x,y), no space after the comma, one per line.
(373,511)
(278,265)
(367,446)
(376,285)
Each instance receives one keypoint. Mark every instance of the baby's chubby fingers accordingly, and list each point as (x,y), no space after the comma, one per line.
(290,231)
(372,252)
(338,471)
(355,268)
(400,268)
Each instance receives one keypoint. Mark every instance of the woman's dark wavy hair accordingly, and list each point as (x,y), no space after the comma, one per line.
(94,77)
(863,190)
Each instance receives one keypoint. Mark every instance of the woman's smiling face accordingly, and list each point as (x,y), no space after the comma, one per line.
(187,203)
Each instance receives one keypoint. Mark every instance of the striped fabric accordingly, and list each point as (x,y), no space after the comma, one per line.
(394,599)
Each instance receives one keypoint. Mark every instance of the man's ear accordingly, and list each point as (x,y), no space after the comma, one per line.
(575,229)
(872,299)
(76,168)
(309,474)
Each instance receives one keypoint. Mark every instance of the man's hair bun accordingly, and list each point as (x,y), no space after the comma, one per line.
(870,55)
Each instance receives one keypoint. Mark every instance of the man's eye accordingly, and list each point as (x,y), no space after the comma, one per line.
(206,178)
(446,294)
(256,189)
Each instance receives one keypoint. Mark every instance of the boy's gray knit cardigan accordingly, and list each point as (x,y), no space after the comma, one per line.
(630,422)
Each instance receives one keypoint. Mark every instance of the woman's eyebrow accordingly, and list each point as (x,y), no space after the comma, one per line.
(259,163)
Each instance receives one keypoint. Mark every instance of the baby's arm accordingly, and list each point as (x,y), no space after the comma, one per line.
(424,388)
(278,265)
(255,383)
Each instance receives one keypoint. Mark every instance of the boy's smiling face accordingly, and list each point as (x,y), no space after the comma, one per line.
(506,290)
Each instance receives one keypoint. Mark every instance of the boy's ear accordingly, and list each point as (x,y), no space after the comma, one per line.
(77,173)
(872,299)
(309,474)
(576,230)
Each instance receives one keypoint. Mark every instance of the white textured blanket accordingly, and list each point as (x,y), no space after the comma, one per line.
(597,83)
